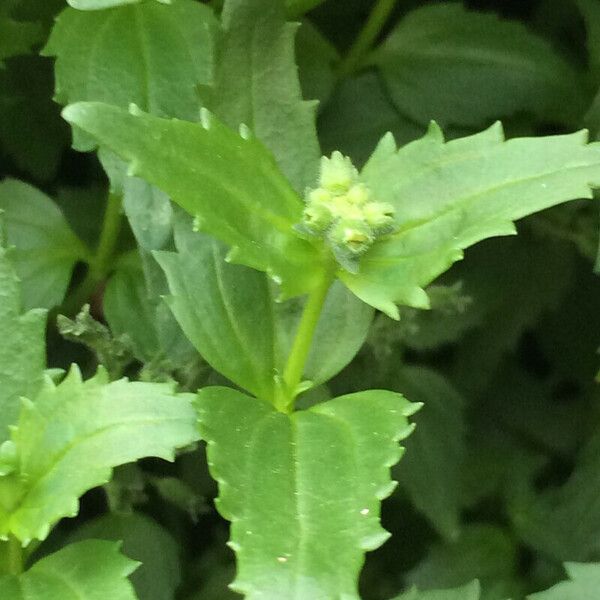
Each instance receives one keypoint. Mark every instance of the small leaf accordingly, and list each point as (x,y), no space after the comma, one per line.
(231,184)
(46,249)
(23,351)
(302,491)
(91,570)
(451,195)
(461,67)
(144,540)
(256,84)
(584,584)
(75,433)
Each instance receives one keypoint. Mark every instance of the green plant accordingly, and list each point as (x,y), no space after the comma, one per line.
(229,292)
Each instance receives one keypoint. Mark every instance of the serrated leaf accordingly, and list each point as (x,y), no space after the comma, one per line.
(257,84)
(23,351)
(145,541)
(302,491)
(69,440)
(99,56)
(230,183)
(17,37)
(46,249)
(91,570)
(482,552)
(466,592)
(448,196)
(584,584)
(461,67)
(432,468)
(216,304)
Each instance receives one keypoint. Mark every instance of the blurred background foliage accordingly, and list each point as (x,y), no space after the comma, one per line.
(501,479)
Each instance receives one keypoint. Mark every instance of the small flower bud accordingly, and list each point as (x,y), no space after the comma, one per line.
(358,194)
(319,196)
(380,217)
(337,173)
(353,235)
(317,218)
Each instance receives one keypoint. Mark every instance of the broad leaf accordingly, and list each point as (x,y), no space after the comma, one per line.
(91,570)
(451,195)
(68,441)
(459,67)
(144,540)
(230,183)
(22,351)
(216,304)
(302,491)
(17,37)
(432,469)
(466,592)
(46,249)
(481,552)
(152,54)
(257,84)
(584,584)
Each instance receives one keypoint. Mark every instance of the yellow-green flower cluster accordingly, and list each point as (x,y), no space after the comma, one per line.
(342,212)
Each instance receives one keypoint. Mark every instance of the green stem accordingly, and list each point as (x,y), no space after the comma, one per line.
(101,261)
(367,36)
(15,556)
(294,368)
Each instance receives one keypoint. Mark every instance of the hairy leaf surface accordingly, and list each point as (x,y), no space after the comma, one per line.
(461,67)
(450,195)
(90,570)
(46,249)
(230,183)
(68,441)
(302,491)
(22,352)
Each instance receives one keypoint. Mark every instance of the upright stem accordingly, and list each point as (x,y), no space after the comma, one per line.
(294,368)
(15,556)
(367,36)
(101,260)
